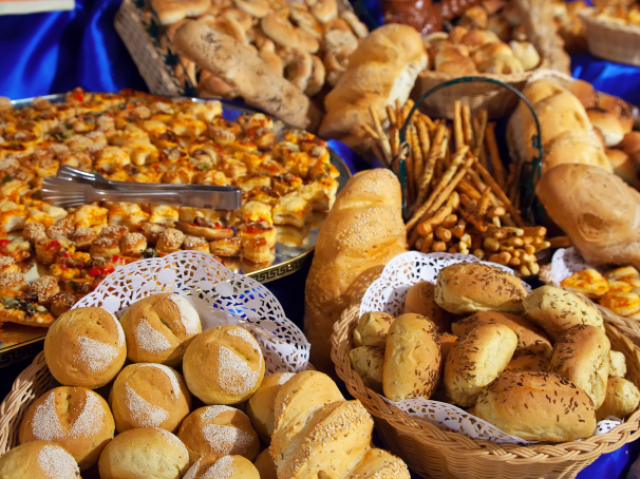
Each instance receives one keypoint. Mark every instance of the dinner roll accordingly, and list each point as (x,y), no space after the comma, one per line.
(617,364)
(367,362)
(421,300)
(530,338)
(38,460)
(265,465)
(556,310)
(582,356)
(144,453)
(225,467)
(529,362)
(159,328)
(75,418)
(149,395)
(609,125)
(622,399)
(85,347)
(446,341)
(411,367)
(470,287)
(220,430)
(476,359)
(223,365)
(372,329)
(528,405)
(260,407)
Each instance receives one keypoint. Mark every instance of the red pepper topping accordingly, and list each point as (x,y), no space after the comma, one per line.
(93,272)
(53,244)
(78,96)
(4,242)
(107,269)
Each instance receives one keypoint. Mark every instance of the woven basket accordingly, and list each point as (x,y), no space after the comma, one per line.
(612,41)
(434,452)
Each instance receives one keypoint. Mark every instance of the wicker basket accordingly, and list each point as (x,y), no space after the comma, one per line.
(612,41)
(434,452)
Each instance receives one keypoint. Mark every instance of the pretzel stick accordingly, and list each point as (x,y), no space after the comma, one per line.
(467,129)
(448,174)
(500,194)
(384,140)
(496,162)
(409,160)
(428,121)
(481,130)
(418,158)
(430,164)
(399,114)
(560,242)
(393,121)
(371,132)
(483,204)
(457,124)
(469,190)
(427,226)
(423,136)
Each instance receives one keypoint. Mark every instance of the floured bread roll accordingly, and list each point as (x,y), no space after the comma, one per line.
(372,329)
(159,328)
(265,465)
(223,365)
(85,347)
(149,395)
(622,399)
(260,407)
(220,430)
(75,418)
(38,460)
(226,467)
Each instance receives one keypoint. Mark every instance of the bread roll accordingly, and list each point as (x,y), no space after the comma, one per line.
(528,405)
(159,328)
(219,430)
(526,53)
(382,70)
(622,399)
(170,11)
(38,460)
(575,147)
(411,359)
(144,453)
(623,166)
(223,365)
(367,362)
(372,329)
(556,310)
(476,359)
(446,340)
(501,65)
(597,210)
(75,418)
(85,347)
(469,287)
(149,395)
(265,465)
(529,362)
(582,356)
(609,125)
(380,464)
(531,339)
(457,67)
(362,232)
(227,467)
(421,300)
(617,365)
(631,146)
(261,406)
(584,92)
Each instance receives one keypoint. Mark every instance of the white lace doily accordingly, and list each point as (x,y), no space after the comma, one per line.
(219,295)
(388,293)
(564,263)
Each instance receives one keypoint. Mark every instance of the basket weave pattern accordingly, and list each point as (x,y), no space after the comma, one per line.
(612,41)
(434,452)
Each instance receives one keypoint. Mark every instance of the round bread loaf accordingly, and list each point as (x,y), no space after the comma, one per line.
(159,328)
(556,310)
(470,287)
(261,406)
(265,465)
(225,467)
(85,347)
(144,453)
(421,300)
(372,329)
(223,365)
(221,430)
(476,359)
(530,405)
(38,460)
(412,358)
(75,418)
(149,395)
(368,362)
(582,356)
(622,399)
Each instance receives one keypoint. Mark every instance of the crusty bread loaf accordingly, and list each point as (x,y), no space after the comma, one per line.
(470,287)
(476,359)
(382,70)
(227,467)
(38,460)
(368,362)
(411,358)
(362,232)
(372,329)
(528,405)
(261,406)
(246,71)
(421,300)
(622,399)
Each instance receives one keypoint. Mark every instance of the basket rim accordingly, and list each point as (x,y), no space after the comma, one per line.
(424,431)
(505,78)
(592,21)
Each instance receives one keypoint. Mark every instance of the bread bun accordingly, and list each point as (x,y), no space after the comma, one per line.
(526,53)
(446,341)
(448,53)
(143,453)
(75,418)
(476,359)
(149,395)
(501,65)
(85,347)
(461,66)
(380,464)
(608,124)
(623,166)
(619,108)
(227,467)
(457,33)
(223,365)
(368,362)
(582,356)
(421,300)
(261,406)
(372,329)
(630,144)
(219,430)
(528,405)
(622,399)
(265,465)
(584,92)
(576,148)
(529,362)
(490,50)
(159,328)
(38,460)
(470,287)
(477,38)
(411,359)
(617,364)
(556,310)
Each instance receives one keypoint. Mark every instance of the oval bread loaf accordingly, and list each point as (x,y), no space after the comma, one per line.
(372,329)
(368,362)
(622,399)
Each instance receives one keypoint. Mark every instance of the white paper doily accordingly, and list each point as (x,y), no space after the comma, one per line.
(219,295)
(564,263)
(388,293)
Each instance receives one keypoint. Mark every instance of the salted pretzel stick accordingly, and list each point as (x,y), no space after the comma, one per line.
(496,162)
(500,194)
(418,159)
(467,129)
(423,136)
(384,140)
(457,124)
(448,174)
(393,121)
(483,204)
(409,160)
(429,167)
(469,190)
(481,131)
(429,225)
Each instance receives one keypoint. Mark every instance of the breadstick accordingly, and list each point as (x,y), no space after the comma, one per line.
(439,247)
(467,129)
(469,190)
(458,229)
(428,121)
(483,204)
(480,131)
(384,140)
(430,164)
(500,194)
(427,226)
(450,221)
(371,132)
(378,152)
(496,162)
(469,218)
(423,136)
(534,231)
(427,243)
(418,159)
(560,242)
(457,124)
(443,234)
(409,161)
(391,114)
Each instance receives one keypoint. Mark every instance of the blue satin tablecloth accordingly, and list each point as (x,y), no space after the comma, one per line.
(55,52)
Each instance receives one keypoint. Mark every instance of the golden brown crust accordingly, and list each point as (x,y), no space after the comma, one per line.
(261,406)
(30,460)
(622,399)
(421,300)
(368,363)
(229,467)
(372,329)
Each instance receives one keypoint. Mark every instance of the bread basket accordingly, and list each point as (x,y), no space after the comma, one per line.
(612,41)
